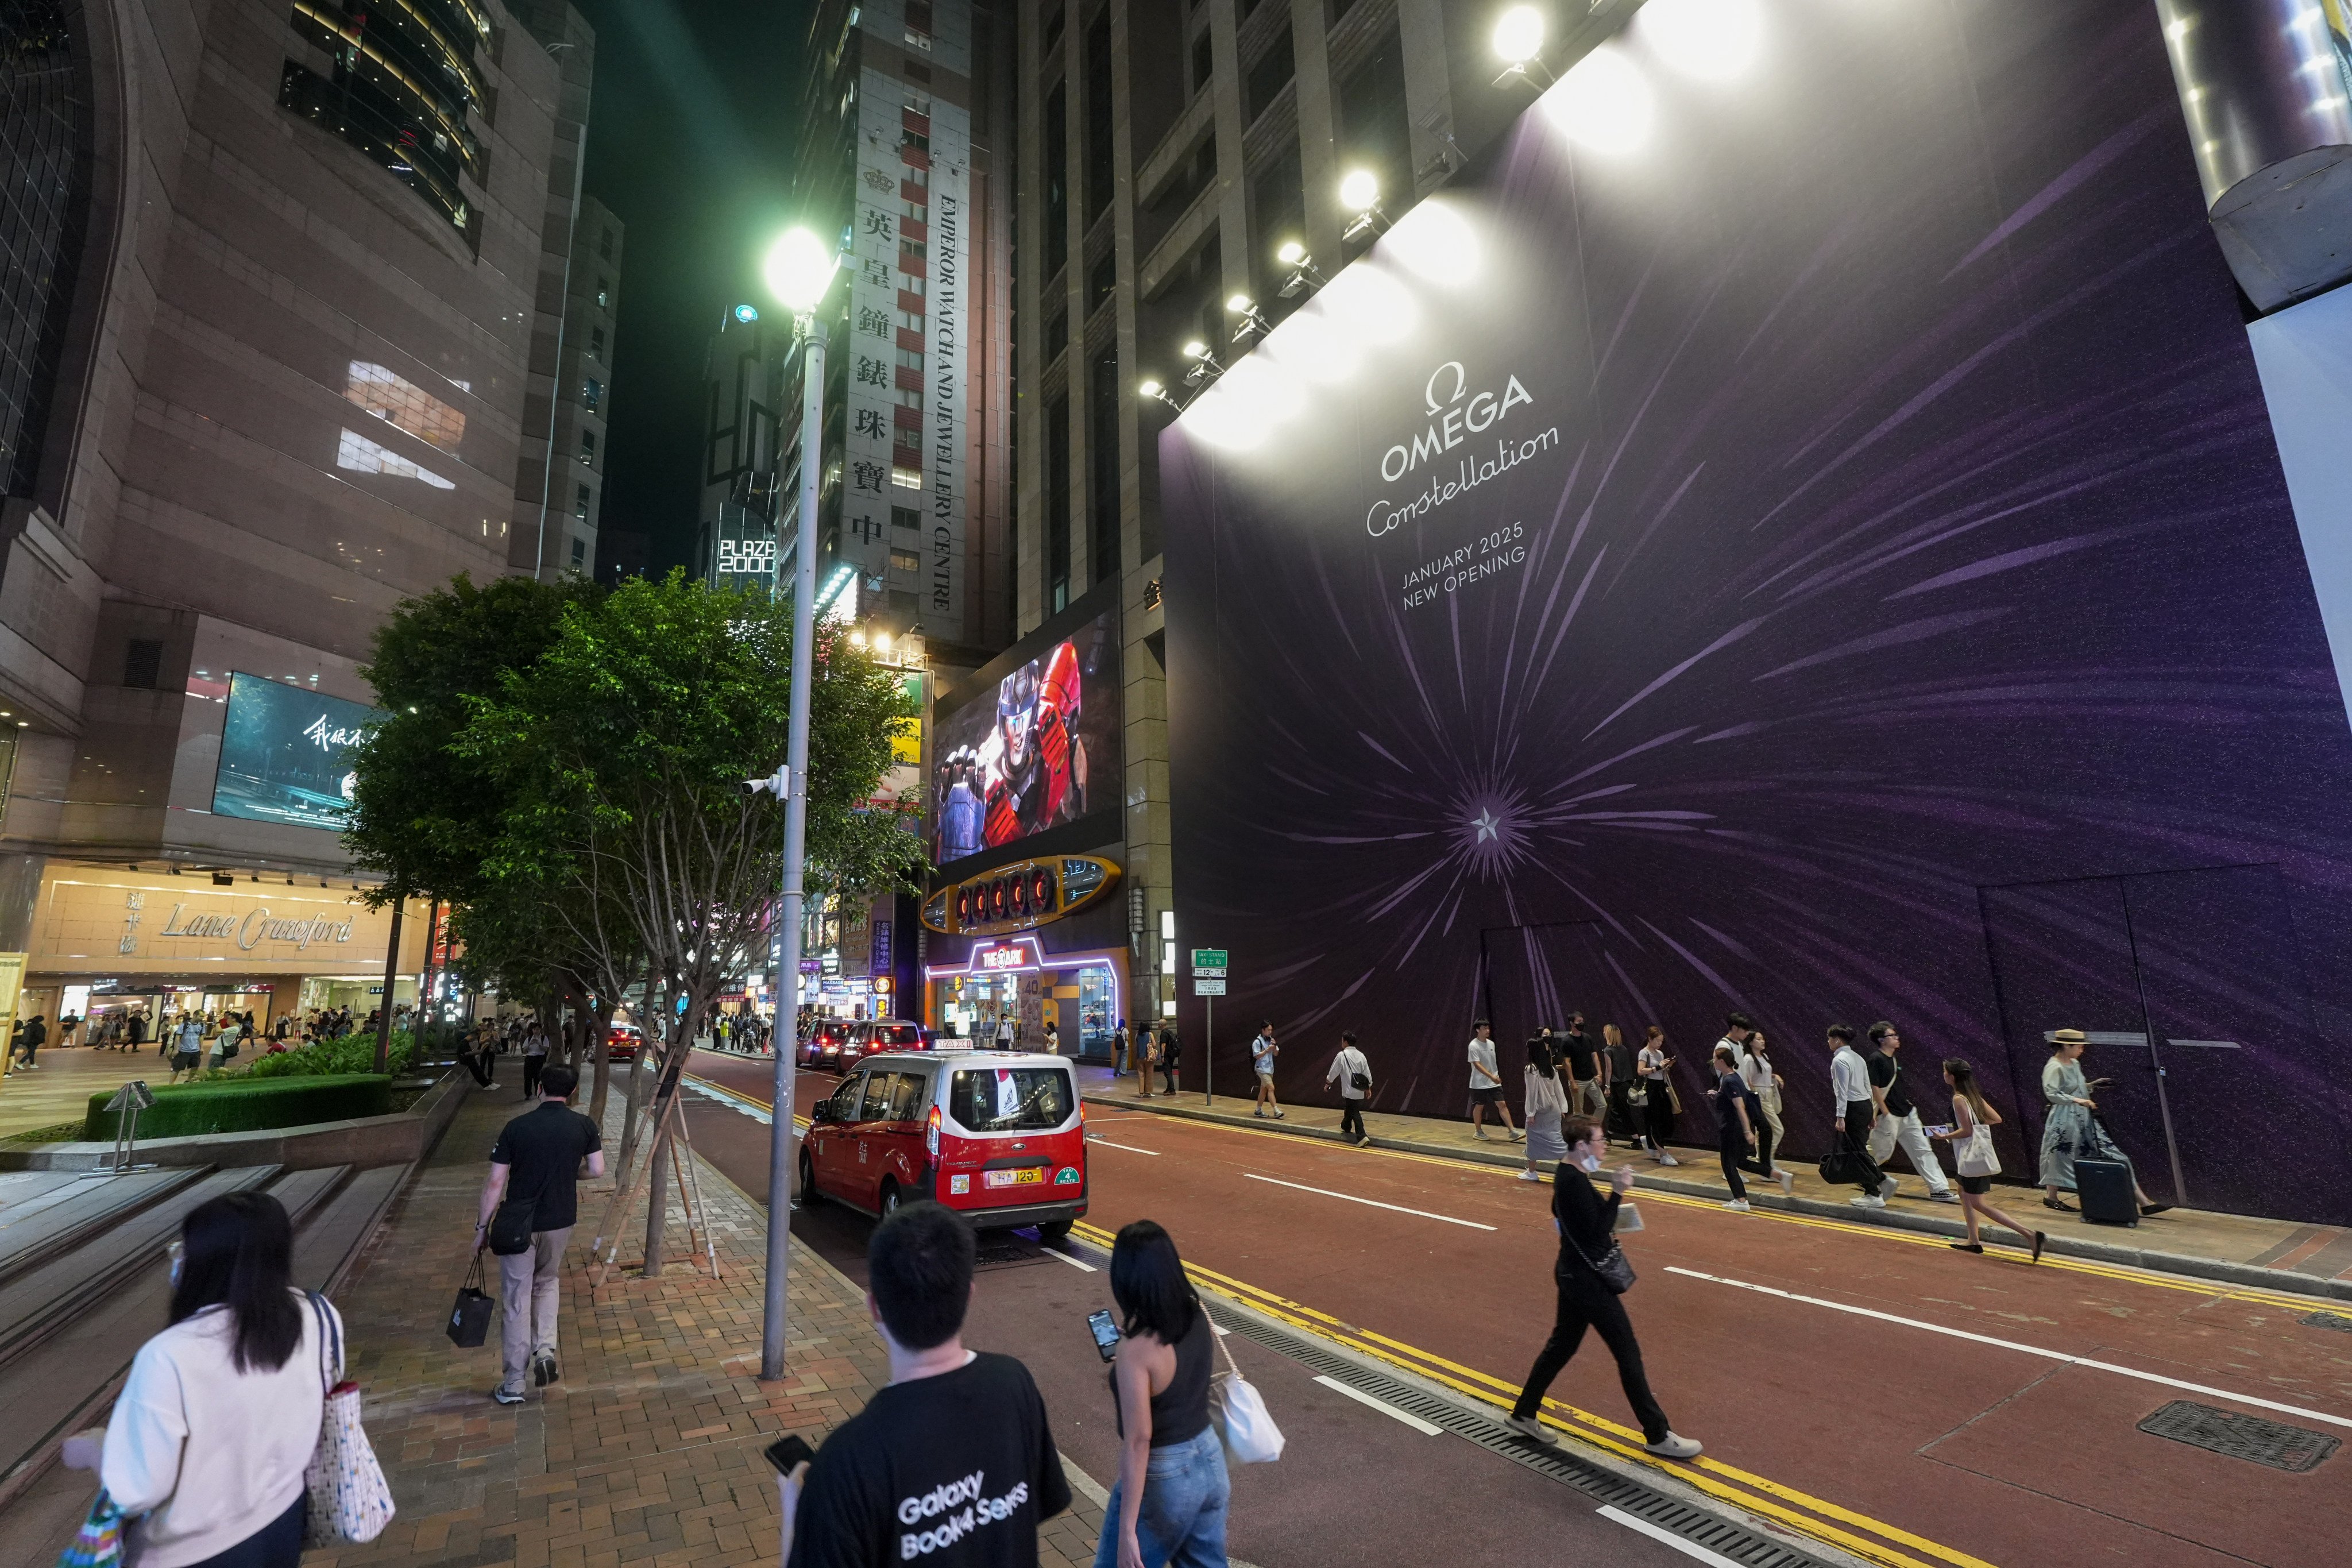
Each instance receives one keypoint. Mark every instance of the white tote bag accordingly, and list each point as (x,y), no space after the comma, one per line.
(1976,1156)
(349,1498)
(1249,1433)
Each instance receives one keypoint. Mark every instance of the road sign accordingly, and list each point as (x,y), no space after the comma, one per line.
(1211,958)
(1208,987)
(1200,973)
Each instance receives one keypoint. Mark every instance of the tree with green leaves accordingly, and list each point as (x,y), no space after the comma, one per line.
(622,755)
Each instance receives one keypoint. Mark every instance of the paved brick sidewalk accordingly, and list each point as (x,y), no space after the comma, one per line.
(648,1451)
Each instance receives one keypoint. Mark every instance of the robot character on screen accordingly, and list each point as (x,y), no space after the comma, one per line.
(1035,764)
(960,809)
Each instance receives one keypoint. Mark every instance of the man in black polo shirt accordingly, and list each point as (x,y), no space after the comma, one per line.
(952,1464)
(538,1157)
(1587,1069)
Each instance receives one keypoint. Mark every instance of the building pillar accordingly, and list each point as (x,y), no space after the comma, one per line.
(20,895)
(2266,88)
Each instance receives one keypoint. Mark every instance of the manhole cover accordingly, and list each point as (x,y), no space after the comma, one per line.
(2337,1321)
(1005,1249)
(2250,1437)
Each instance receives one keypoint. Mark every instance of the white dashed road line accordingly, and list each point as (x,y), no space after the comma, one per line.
(1368,1203)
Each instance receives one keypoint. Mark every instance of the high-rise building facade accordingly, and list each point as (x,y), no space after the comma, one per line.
(269,284)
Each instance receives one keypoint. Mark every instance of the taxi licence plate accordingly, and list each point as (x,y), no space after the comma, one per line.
(1028,1178)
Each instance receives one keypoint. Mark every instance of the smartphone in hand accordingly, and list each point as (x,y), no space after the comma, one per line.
(1105,1332)
(788,1452)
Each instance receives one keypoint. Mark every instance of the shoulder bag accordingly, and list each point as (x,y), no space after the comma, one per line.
(1249,1433)
(349,1498)
(1975,1155)
(1616,1270)
(105,1539)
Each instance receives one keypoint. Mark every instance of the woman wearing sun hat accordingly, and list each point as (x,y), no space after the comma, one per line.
(2071,1132)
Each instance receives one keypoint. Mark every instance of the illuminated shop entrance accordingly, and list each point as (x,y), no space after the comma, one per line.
(1078,992)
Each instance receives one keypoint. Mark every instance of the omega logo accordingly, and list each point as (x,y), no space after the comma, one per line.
(1451,417)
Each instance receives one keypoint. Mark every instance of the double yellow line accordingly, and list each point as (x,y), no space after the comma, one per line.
(1872,1540)
(798,1121)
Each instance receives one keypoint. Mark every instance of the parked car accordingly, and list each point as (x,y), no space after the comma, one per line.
(872,1034)
(823,1047)
(622,1042)
(997,1136)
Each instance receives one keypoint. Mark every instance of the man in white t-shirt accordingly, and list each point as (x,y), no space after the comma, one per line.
(1486,1084)
(1262,1050)
(1354,1075)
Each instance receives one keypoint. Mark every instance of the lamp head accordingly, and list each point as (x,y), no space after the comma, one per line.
(1518,35)
(1196,349)
(1359,191)
(1151,388)
(1290,253)
(1239,304)
(798,269)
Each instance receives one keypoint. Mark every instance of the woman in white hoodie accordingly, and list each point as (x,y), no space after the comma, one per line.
(213,1431)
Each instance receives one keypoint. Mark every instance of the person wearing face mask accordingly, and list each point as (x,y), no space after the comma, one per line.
(1586,1220)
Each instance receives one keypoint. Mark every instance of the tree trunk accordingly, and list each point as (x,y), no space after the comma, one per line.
(603,1058)
(658,1202)
(646,1041)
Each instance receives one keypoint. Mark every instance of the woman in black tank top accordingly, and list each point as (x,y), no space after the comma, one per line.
(1169,1504)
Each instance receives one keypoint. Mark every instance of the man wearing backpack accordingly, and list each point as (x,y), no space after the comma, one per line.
(1354,1075)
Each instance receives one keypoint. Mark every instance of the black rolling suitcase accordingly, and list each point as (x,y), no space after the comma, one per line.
(2105,1187)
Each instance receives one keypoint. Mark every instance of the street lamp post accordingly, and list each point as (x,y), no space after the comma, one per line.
(800,271)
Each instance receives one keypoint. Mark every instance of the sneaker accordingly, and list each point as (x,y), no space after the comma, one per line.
(1530,1176)
(1521,1137)
(1868,1202)
(1787,1183)
(544,1369)
(1666,1159)
(1674,1445)
(1945,1196)
(1279,1117)
(1893,1185)
(1259,1114)
(1737,1205)
(1533,1430)
(1480,1134)
(506,1396)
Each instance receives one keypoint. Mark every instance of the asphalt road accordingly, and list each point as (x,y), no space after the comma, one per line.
(1930,1407)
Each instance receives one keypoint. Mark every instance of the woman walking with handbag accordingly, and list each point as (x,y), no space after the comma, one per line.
(1167,1506)
(1590,1276)
(1970,1137)
(213,1432)
(1546,1102)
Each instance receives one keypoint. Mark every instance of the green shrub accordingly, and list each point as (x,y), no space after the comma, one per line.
(241,1103)
(353,1053)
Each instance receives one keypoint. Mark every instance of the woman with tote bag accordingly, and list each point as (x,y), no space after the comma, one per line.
(215,1433)
(1169,1503)
(1970,1136)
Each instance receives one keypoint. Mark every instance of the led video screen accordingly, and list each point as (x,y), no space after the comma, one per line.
(285,754)
(1036,747)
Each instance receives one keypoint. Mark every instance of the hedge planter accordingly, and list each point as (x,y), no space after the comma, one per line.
(247,1105)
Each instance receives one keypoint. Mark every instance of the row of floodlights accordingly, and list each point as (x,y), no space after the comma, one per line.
(1603,103)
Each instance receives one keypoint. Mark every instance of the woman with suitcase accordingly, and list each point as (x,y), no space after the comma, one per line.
(2072,1132)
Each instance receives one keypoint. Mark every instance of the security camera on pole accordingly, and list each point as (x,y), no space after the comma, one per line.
(800,271)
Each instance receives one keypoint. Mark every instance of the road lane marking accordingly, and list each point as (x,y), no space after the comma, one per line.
(1688,1548)
(1073,1262)
(1368,1203)
(1426,1429)
(758,1110)
(1128,1147)
(2023,1349)
(1740,1487)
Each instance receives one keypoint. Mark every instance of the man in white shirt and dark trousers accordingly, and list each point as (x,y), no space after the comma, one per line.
(1354,1075)
(1486,1084)
(1898,1118)
(1856,1109)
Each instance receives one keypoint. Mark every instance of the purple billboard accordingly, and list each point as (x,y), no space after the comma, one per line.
(1796,529)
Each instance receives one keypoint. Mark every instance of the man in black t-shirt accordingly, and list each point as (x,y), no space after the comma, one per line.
(953,1463)
(1898,1118)
(1587,1069)
(539,1157)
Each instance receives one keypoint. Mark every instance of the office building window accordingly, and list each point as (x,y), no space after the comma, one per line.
(604,293)
(592,393)
(1058,501)
(402,403)
(44,150)
(142,664)
(1269,76)
(596,341)
(1374,132)
(1102,453)
(906,560)
(1102,280)
(581,500)
(605,245)
(1057,335)
(1057,178)
(1201,57)
(906,517)
(1102,169)
(579,552)
(587,447)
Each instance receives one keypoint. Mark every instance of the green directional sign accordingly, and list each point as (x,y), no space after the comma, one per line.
(1209,958)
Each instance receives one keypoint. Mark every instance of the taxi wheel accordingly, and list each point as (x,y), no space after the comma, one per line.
(1058,1231)
(807,1189)
(890,1199)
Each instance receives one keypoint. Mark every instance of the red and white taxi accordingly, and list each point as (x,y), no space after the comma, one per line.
(997,1136)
